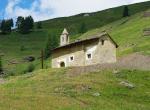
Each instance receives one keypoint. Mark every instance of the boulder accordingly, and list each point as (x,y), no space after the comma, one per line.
(116,71)
(13,62)
(59,89)
(127,84)
(82,87)
(96,94)
(29,59)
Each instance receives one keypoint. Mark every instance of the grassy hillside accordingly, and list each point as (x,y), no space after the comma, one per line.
(53,90)
(11,46)
(95,20)
(127,32)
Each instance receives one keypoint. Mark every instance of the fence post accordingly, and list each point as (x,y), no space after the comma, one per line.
(42,59)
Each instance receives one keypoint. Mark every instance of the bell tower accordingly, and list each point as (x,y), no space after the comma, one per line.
(64,38)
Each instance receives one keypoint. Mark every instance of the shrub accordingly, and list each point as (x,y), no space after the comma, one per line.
(29,69)
(8,73)
(39,25)
(22,48)
(126,11)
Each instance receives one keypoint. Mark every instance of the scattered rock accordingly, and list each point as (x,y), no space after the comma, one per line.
(96,94)
(29,59)
(127,84)
(59,89)
(2,54)
(83,87)
(116,71)
(13,62)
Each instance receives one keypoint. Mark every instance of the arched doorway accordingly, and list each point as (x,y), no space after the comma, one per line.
(62,64)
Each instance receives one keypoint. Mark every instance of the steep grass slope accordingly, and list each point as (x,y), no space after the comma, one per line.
(128,33)
(53,90)
(95,20)
(11,47)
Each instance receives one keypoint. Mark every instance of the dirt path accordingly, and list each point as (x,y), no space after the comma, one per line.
(132,61)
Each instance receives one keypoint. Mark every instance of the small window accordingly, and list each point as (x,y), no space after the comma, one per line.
(103,41)
(89,56)
(71,58)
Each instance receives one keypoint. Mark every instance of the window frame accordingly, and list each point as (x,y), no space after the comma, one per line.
(87,57)
(103,42)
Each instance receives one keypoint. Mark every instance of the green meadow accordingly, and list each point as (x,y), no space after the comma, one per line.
(53,89)
(127,32)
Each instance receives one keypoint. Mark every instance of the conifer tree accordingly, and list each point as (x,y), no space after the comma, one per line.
(126,11)
(52,43)
(6,26)
(2,28)
(19,21)
(31,22)
(24,25)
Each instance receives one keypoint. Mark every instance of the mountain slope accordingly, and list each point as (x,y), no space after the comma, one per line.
(54,89)
(94,20)
(128,33)
(129,39)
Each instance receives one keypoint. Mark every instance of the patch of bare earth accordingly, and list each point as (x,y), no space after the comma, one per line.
(132,61)
(2,81)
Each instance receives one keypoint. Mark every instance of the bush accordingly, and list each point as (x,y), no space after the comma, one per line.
(29,69)
(8,73)
(126,11)
(39,25)
(22,48)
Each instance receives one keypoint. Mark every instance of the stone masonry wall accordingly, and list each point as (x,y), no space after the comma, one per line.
(100,54)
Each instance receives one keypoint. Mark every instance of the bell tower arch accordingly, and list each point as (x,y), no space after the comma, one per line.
(64,38)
